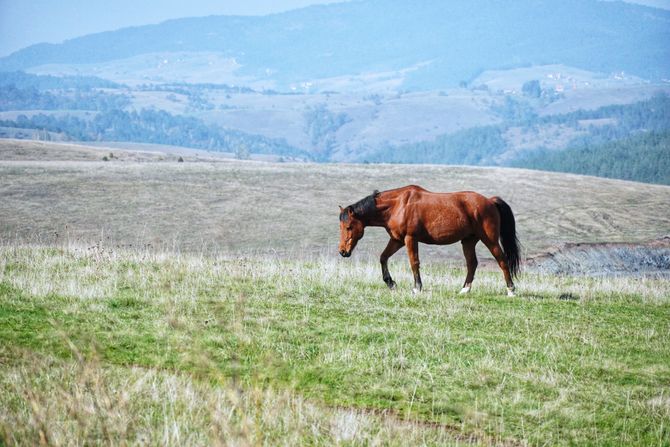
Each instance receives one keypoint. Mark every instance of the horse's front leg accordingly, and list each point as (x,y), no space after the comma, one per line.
(391,248)
(413,253)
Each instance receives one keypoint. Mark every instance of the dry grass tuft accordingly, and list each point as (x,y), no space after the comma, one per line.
(48,401)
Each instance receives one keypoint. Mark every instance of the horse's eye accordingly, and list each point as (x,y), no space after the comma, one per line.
(348,228)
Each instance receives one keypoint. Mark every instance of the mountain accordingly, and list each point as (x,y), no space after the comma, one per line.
(435,44)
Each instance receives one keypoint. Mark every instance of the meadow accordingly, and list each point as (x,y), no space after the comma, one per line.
(55,193)
(164,303)
(106,347)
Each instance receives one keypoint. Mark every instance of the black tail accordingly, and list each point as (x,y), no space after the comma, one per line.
(508,238)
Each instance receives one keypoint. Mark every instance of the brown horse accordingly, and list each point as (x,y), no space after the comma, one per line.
(412,214)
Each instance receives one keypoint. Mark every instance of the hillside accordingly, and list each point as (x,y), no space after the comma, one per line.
(250,207)
(475,125)
(207,296)
(628,142)
(478,83)
(644,157)
(380,36)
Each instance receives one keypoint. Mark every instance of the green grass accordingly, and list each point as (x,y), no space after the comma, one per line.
(569,361)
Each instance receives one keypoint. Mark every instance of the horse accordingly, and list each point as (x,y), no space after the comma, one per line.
(412,214)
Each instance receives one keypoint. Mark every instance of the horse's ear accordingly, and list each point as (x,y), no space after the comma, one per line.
(341,209)
(350,212)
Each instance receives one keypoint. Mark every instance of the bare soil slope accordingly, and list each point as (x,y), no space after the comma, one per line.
(596,259)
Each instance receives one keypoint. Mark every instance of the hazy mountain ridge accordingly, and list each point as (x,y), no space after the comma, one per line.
(374,35)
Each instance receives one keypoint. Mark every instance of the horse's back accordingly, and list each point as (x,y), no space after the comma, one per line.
(439,217)
(415,199)
(469,202)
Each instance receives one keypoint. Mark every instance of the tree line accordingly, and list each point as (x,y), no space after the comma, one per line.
(644,123)
(32,98)
(643,157)
(154,126)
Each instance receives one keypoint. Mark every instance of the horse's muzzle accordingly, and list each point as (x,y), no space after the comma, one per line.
(345,254)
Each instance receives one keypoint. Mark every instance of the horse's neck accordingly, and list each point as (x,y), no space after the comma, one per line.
(377,219)
(375,223)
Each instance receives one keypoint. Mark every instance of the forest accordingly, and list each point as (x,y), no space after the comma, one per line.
(644,157)
(154,126)
(634,136)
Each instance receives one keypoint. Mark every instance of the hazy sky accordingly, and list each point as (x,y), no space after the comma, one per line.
(26,22)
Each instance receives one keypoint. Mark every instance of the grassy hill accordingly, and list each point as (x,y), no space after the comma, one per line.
(290,207)
(150,301)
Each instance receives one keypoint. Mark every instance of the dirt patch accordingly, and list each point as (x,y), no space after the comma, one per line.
(606,259)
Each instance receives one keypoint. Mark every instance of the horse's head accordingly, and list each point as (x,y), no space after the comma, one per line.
(351,230)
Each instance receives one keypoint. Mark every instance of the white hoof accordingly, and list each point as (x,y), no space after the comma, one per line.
(464,290)
(416,291)
(510,292)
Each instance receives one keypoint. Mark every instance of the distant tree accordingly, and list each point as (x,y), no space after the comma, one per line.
(515,111)
(532,88)
(242,152)
(321,124)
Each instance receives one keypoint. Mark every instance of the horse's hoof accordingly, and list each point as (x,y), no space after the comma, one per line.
(416,291)
(510,292)
(464,290)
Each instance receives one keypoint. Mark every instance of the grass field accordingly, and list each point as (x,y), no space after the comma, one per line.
(106,346)
(163,303)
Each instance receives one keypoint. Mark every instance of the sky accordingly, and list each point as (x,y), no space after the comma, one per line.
(27,22)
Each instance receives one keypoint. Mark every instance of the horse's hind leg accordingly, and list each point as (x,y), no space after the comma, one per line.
(497,253)
(490,237)
(390,249)
(470,260)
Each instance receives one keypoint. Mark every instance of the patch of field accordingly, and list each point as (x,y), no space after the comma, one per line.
(591,99)
(251,207)
(56,401)
(184,66)
(115,346)
(552,76)
(552,136)
(20,150)
(373,121)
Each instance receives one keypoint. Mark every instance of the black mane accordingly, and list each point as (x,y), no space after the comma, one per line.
(361,209)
